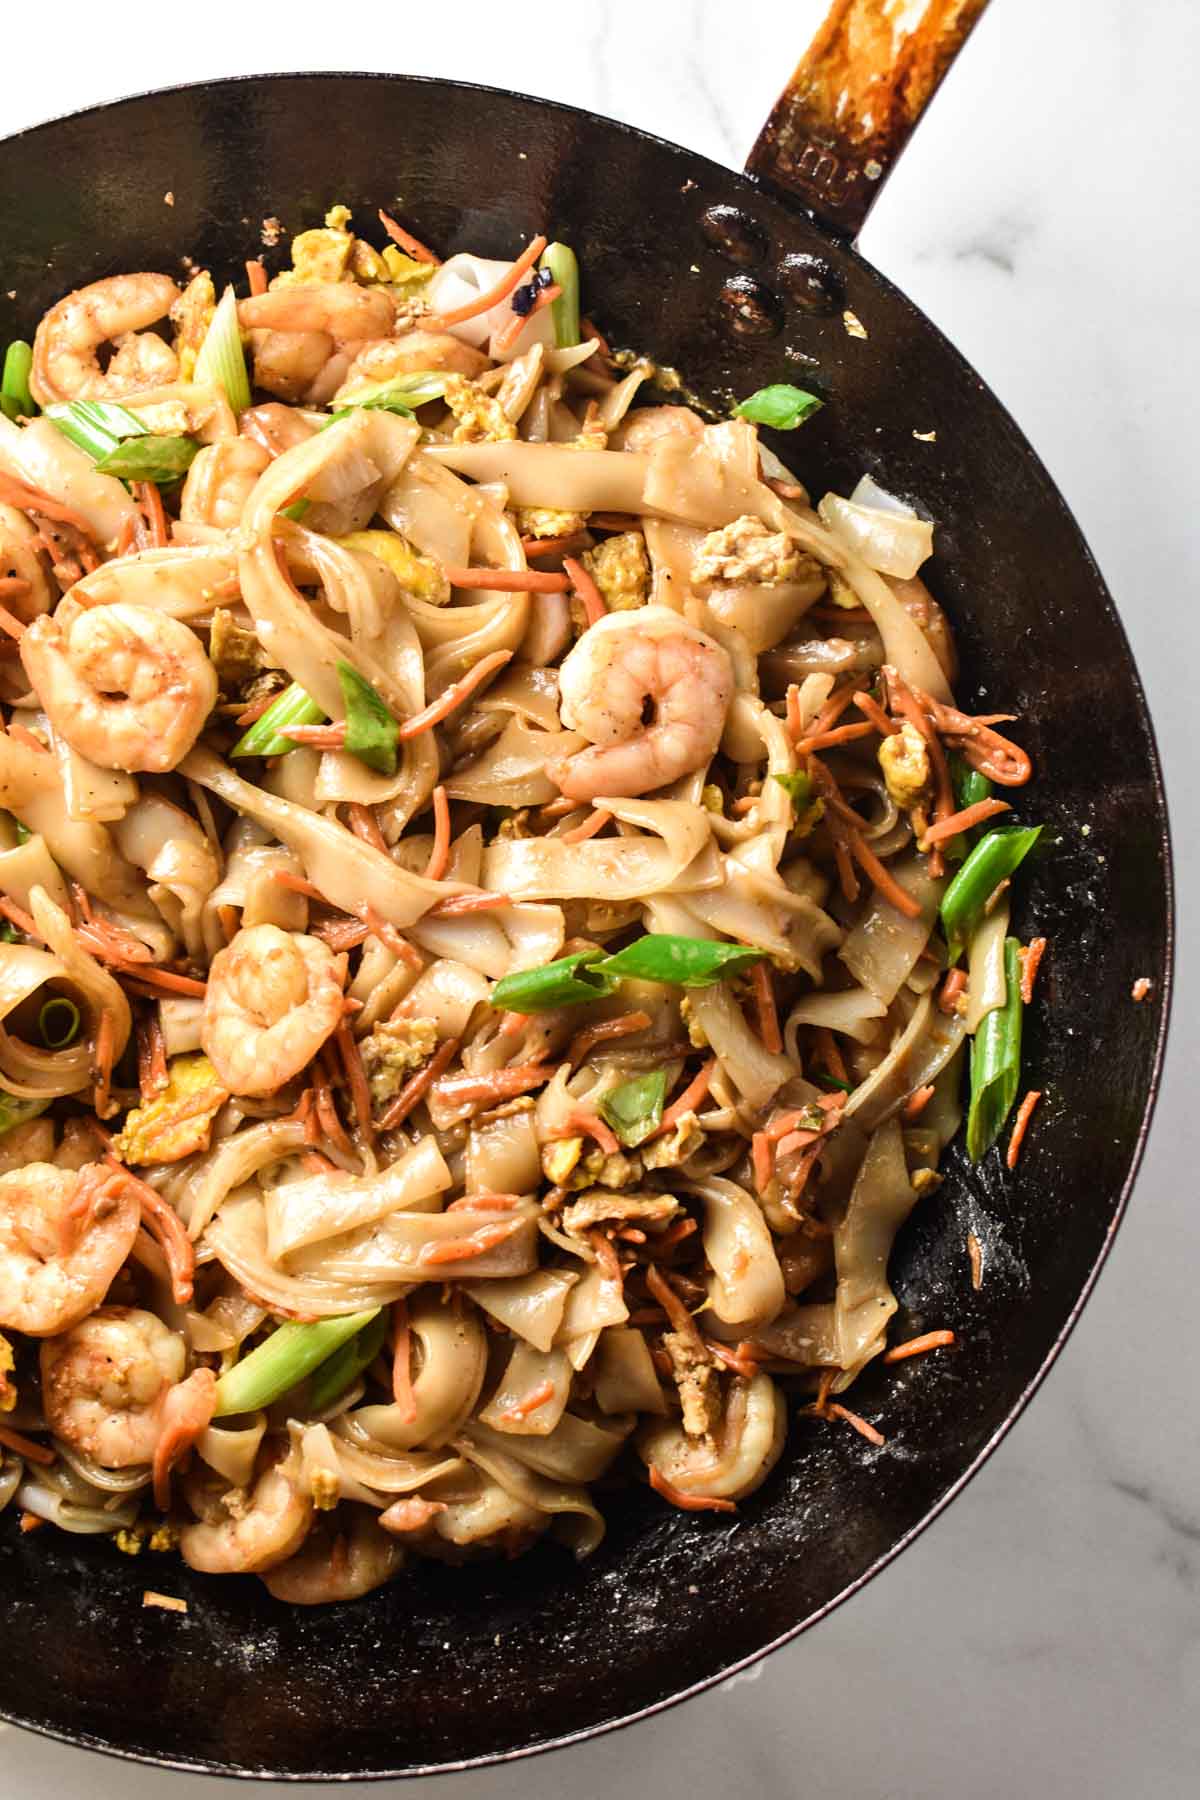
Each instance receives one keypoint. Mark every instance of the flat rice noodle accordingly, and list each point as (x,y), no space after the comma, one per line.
(576,1519)
(31,865)
(29,1072)
(530,1306)
(707,480)
(923,1048)
(894,543)
(745,1281)
(102,996)
(626,868)
(987,982)
(308,1211)
(553,475)
(576,1450)
(498,942)
(853,1012)
(39,455)
(448,1370)
(180,1016)
(237,1238)
(744,1451)
(447,993)
(806,1335)
(349,873)
(529,692)
(672,550)
(503,1156)
(396,1249)
(758,908)
(883,948)
(374,1475)
(433,509)
(756,1072)
(178,858)
(594,1302)
(512,770)
(96,795)
(882,1198)
(178,580)
(31,789)
(625,1377)
(231,1446)
(503,628)
(233,1162)
(527,1373)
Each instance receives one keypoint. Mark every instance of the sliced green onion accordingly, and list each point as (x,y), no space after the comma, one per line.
(781,406)
(402,394)
(14,382)
(798,787)
(992,861)
(8,932)
(336,1373)
(58,1022)
(371,732)
(568,982)
(996,1062)
(563,265)
(221,358)
(680,961)
(96,427)
(286,1357)
(156,459)
(635,1108)
(292,707)
(16,1111)
(970,787)
(296,511)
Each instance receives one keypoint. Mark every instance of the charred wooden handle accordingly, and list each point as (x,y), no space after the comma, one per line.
(855,100)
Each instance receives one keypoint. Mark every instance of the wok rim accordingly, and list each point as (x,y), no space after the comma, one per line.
(604,1727)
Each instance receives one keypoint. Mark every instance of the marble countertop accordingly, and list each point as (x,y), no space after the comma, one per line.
(1045,1634)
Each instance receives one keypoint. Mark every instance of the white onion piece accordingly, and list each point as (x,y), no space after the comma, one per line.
(987,984)
(887,541)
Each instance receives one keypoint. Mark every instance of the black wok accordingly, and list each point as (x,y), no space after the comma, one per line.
(446,1668)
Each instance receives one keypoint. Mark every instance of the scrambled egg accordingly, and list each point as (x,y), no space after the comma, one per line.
(747,551)
(692,1025)
(8,1389)
(418,575)
(392,1051)
(904,760)
(178,1123)
(565,1165)
(191,316)
(620,568)
(234,652)
(547,522)
(696,1380)
(680,1143)
(324,1490)
(840,592)
(481,419)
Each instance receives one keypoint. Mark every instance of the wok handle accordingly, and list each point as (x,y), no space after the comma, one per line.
(854,102)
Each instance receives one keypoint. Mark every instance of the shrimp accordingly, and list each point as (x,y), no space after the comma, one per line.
(385,359)
(64,1235)
(273,998)
(624,663)
(21,561)
(220,482)
(105,1380)
(244,1531)
(128,688)
(303,337)
(115,311)
(337,1564)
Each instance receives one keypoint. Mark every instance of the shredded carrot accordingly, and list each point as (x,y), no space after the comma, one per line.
(764,1003)
(485,1203)
(839,700)
(389,935)
(446,703)
(32,499)
(585,587)
(825,740)
(104,1053)
(255,710)
(997,757)
(577,540)
(16,628)
(317,1163)
(797,1140)
(871,709)
(586,1040)
(832,1060)
(1021,1126)
(256,275)
(690,1098)
(975,1257)
(538,1396)
(787,490)
(331,736)
(148,981)
(739,1359)
(678,1314)
(31,1522)
(508,581)
(327,1113)
(23,1446)
(929,1340)
(1140,989)
(557,808)
(502,1084)
(954,985)
(591,827)
(439,856)
(405,240)
(187,1412)
(466,1248)
(795,724)
(763,1159)
(14,587)
(402,1384)
(127,536)
(1031,962)
(916,1103)
(356,1078)
(674,1234)
(584,1120)
(151,1057)
(23,736)
(510,331)
(687,1502)
(836,1410)
(151,504)
(365,825)
(456,904)
(963,821)
(166,1228)
(416,1088)
(881,879)
(492,296)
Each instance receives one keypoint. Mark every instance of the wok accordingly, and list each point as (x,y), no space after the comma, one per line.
(736,280)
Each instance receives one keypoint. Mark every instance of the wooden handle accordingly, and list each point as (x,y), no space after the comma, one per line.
(854,101)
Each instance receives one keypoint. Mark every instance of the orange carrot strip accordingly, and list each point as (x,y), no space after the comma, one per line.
(735,1359)
(150,500)
(446,703)
(502,1084)
(841,734)
(1021,1126)
(872,710)
(388,934)
(687,1502)
(1031,962)
(690,1098)
(415,1089)
(832,710)
(456,904)
(32,499)
(836,1410)
(402,1385)
(512,327)
(764,1003)
(553,546)
(954,985)
(832,1060)
(583,1119)
(916,1103)
(485,1203)
(929,1340)
(795,726)
(166,1228)
(963,821)
(500,290)
(147,981)
(880,879)
(356,1078)
(255,710)
(507,581)
(591,827)
(256,275)
(22,736)
(104,1059)
(318,737)
(469,1247)
(365,825)
(405,240)
(797,1140)
(764,1161)
(16,628)
(20,1445)
(593,600)
(439,856)
(586,1040)
(537,1397)
(14,587)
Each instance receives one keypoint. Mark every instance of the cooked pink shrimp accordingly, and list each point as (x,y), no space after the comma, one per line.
(273,998)
(104,1382)
(622,665)
(339,1560)
(240,1531)
(220,482)
(115,311)
(64,1234)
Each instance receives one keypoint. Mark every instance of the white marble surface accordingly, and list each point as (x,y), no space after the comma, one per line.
(1044,1637)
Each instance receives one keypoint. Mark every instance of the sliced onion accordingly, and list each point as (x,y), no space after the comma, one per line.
(891,542)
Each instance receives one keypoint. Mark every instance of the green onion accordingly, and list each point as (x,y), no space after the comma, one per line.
(996,1062)
(992,861)
(8,932)
(286,1357)
(781,406)
(292,707)
(635,1108)
(831,1083)
(15,1111)
(296,511)
(334,1375)
(96,427)
(371,732)
(23,833)
(15,397)
(156,459)
(568,982)
(58,1022)
(681,961)
(799,789)
(563,265)
(402,394)
(221,358)
(969,788)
